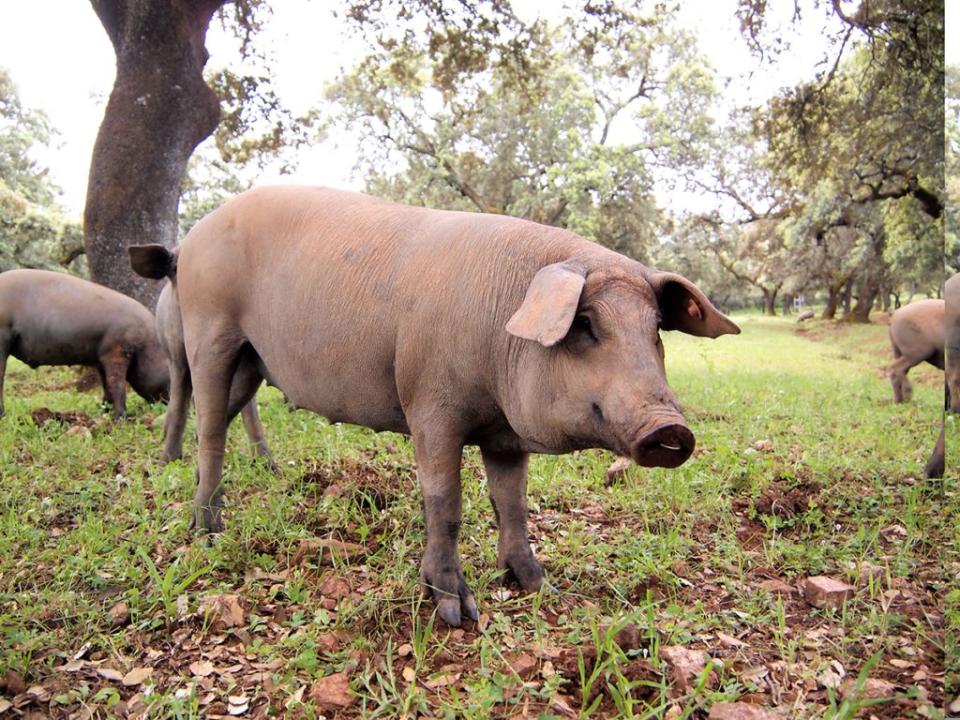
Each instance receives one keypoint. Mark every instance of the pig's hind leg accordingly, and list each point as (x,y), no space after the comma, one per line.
(177,409)
(212,370)
(507,483)
(902,390)
(243,390)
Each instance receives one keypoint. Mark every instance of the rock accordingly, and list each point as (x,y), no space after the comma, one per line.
(332,692)
(737,711)
(806,315)
(763,446)
(618,470)
(825,592)
(686,666)
(872,689)
(328,642)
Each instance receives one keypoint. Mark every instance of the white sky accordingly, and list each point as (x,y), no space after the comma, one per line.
(63,63)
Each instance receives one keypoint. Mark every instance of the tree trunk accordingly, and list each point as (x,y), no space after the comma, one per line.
(833,299)
(769,301)
(159,110)
(861,311)
(847,297)
(786,304)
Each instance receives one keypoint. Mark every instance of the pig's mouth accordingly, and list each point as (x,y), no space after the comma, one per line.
(666,445)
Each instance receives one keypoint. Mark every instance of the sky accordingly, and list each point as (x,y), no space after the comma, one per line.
(63,63)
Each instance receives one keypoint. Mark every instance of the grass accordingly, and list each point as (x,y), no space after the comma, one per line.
(804,466)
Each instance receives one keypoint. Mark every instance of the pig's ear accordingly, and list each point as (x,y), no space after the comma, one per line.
(685,308)
(549,306)
(153,261)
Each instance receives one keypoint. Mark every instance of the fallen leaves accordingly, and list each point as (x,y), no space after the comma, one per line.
(225,611)
(328,548)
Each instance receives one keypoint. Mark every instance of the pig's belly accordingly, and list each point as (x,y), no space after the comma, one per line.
(357,386)
(37,348)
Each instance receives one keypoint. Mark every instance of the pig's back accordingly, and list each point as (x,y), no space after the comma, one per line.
(58,319)
(917,329)
(339,292)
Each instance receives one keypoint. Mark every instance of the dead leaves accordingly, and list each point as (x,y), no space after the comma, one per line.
(224,611)
(327,549)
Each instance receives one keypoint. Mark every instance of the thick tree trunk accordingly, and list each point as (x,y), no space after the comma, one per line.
(160,109)
(847,297)
(861,311)
(833,300)
(769,301)
(786,303)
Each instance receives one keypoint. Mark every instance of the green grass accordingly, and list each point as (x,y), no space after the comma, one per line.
(804,466)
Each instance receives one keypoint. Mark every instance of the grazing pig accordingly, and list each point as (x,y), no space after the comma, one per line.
(916,335)
(170,335)
(951,326)
(456,328)
(49,318)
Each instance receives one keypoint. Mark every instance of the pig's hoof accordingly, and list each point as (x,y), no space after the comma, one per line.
(526,571)
(207,519)
(453,598)
(167,458)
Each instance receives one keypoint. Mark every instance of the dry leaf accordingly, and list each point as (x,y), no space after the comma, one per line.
(137,676)
(333,691)
(201,668)
(110,674)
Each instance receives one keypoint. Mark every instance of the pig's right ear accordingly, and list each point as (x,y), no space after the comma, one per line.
(153,261)
(549,306)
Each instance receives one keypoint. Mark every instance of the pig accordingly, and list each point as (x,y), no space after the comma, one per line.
(455,328)
(916,336)
(170,335)
(49,318)
(951,326)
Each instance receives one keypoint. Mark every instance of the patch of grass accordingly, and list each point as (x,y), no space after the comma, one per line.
(804,466)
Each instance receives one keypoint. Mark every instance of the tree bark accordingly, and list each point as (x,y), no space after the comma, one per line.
(847,297)
(770,301)
(833,300)
(159,110)
(868,294)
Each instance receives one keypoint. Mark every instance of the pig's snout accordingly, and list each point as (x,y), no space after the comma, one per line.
(665,446)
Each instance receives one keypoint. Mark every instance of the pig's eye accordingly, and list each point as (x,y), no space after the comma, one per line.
(582,323)
(581,336)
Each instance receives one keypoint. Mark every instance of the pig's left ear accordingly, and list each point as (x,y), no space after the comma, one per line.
(549,306)
(683,307)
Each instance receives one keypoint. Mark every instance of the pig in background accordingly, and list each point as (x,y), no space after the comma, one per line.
(456,328)
(49,318)
(916,336)
(170,335)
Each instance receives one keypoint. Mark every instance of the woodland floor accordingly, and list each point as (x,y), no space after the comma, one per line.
(670,590)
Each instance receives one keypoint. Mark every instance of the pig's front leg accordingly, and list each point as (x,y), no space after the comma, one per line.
(441,575)
(507,482)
